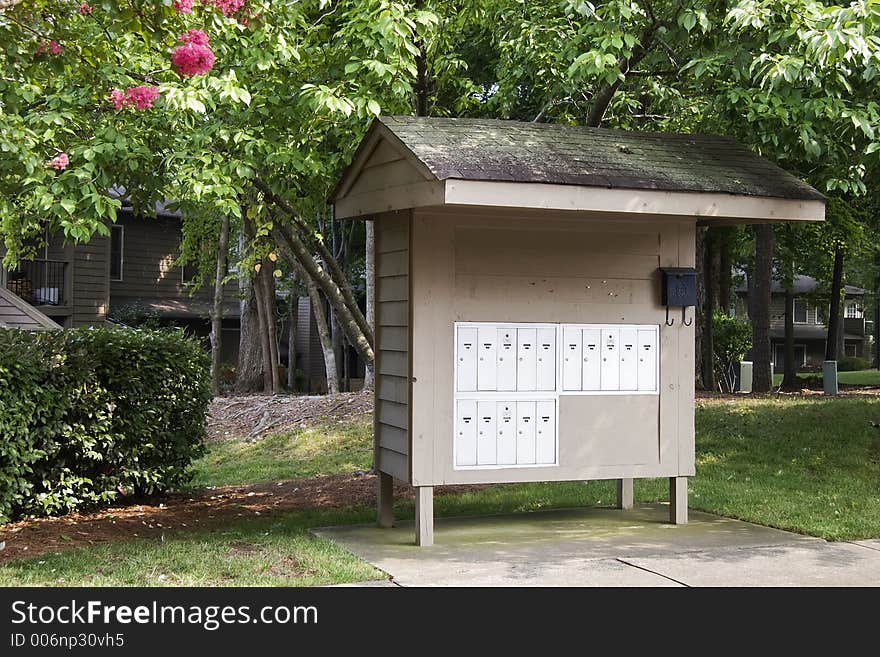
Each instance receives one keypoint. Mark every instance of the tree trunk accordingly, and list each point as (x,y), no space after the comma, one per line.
(338,347)
(270,307)
(708,311)
(370,272)
(217,306)
(259,296)
(763,275)
(295,251)
(699,310)
(249,370)
(330,368)
(789,378)
(725,248)
(834,312)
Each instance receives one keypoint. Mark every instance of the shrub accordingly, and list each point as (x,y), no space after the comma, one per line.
(852,364)
(91,415)
(731,339)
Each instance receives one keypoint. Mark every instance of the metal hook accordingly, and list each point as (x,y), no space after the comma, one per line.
(684,316)
(668,323)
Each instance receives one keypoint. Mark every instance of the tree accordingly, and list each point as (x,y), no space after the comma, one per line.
(759,300)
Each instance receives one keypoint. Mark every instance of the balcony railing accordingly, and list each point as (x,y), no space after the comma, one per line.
(39,282)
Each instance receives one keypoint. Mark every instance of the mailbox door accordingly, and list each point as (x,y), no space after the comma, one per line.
(571,358)
(487,434)
(466,347)
(487,365)
(628,349)
(466,433)
(545,438)
(506,427)
(506,354)
(526,361)
(525,433)
(591,359)
(648,360)
(546,359)
(610,369)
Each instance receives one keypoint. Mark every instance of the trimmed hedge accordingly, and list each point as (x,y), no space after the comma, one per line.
(88,416)
(852,364)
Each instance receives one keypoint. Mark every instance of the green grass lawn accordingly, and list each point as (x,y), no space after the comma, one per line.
(860,378)
(808,464)
(342,447)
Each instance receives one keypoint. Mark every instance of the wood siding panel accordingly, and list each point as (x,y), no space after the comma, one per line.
(91,282)
(392,413)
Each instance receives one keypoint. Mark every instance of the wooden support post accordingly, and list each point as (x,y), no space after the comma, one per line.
(424,516)
(625,494)
(678,500)
(385,501)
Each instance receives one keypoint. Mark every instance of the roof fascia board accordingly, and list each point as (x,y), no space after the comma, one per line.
(707,207)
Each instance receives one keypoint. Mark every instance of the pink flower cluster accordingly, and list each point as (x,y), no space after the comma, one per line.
(86,9)
(228,7)
(141,97)
(59,162)
(53,47)
(195,56)
(183,6)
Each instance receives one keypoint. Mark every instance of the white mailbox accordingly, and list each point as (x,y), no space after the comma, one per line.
(628,348)
(571,358)
(487,434)
(509,378)
(545,438)
(525,433)
(506,373)
(466,349)
(610,366)
(647,367)
(466,433)
(546,354)
(591,359)
(506,426)
(526,359)
(487,359)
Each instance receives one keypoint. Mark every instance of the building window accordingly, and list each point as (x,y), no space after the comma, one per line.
(851,350)
(116,239)
(853,310)
(800,311)
(188,273)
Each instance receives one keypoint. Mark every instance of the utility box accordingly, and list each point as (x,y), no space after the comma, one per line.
(522,332)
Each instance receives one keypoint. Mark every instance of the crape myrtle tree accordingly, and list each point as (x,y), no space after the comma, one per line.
(224,104)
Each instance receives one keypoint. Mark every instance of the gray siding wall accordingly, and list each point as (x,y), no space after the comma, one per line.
(91,282)
(393,367)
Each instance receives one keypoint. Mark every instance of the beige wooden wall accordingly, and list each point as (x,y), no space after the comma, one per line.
(503,266)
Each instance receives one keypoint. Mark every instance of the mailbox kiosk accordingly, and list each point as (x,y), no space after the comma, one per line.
(524,274)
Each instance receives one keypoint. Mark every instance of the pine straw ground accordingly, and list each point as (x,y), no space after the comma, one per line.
(246,418)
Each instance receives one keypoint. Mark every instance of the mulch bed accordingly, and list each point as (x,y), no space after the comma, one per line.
(208,508)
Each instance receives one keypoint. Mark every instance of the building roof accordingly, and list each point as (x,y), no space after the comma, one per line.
(175,308)
(494,150)
(804,285)
(15,312)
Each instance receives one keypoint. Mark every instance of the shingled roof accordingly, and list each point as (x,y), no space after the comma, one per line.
(493,150)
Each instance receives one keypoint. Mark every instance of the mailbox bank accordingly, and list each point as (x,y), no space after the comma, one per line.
(522,276)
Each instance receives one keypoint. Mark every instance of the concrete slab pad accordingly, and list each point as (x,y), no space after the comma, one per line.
(871,543)
(572,547)
(816,564)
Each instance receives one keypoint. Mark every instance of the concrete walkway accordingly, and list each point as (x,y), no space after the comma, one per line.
(607,547)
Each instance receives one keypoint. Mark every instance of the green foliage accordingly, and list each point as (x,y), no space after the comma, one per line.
(852,364)
(731,339)
(91,415)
